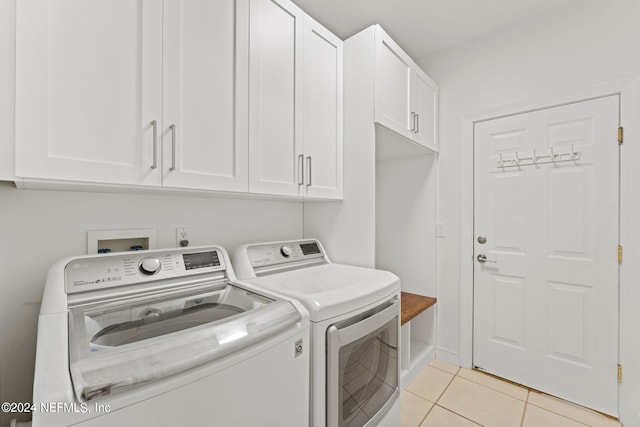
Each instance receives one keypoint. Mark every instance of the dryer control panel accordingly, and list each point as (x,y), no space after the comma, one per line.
(111,270)
(278,253)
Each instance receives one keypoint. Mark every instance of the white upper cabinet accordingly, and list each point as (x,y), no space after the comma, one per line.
(295,103)
(323,161)
(275,98)
(140,93)
(406,98)
(393,69)
(88,90)
(425,109)
(221,95)
(205,96)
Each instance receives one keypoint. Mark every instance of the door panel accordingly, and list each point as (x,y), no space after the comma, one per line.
(323,111)
(275,125)
(425,96)
(546,300)
(392,85)
(204,94)
(88,86)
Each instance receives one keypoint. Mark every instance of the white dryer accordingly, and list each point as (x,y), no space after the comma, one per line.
(355,328)
(167,338)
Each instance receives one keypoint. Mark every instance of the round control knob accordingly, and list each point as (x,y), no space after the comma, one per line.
(285,251)
(149,266)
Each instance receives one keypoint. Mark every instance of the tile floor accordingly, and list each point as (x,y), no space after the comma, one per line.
(444,395)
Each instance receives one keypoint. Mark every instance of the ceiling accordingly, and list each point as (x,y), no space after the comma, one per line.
(423,27)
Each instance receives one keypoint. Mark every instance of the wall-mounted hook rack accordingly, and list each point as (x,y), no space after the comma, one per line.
(553,157)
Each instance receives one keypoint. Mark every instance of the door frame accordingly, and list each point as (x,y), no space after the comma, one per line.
(629,91)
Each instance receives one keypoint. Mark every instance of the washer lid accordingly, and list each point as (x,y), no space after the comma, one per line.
(329,290)
(120,344)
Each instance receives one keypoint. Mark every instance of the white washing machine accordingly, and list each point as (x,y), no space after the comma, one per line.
(167,338)
(355,328)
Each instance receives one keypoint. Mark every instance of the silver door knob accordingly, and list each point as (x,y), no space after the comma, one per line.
(483,258)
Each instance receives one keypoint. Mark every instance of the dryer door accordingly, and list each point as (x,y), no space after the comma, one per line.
(363,367)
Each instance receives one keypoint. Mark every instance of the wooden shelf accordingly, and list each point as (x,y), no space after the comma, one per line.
(411,305)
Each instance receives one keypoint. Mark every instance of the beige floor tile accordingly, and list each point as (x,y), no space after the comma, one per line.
(413,409)
(482,404)
(537,417)
(440,417)
(571,410)
(430,383)
(444,366)
(495,383)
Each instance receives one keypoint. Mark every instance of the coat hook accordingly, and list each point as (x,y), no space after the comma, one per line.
(517,159)
(535,159)
(501,161)
(553,156)
(573,153)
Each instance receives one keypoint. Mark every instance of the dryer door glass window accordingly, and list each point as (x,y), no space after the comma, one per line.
(362,375)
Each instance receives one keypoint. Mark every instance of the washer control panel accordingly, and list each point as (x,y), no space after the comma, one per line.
(284,252)
(106,271)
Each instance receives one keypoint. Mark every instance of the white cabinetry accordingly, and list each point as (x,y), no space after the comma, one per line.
(275,97)
(160,94)
(405,97)
(322,126)
(295,99)
(204,133)
(141,93)
(88,88)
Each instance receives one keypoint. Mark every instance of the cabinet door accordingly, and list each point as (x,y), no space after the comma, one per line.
(425,101)
(88,88)
(322,112)
(392,85)
(275,97)
(205,94)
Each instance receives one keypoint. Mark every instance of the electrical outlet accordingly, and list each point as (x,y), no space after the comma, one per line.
(182,236)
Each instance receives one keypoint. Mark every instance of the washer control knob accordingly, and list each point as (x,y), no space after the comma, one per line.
(285,251)
(149,266)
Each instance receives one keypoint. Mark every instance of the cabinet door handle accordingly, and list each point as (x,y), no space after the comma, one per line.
(173,147)
(309,171)
(154,125)
(301,169)
(417,123)
(413,121)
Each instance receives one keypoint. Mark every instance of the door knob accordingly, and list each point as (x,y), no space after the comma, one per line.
(483,258)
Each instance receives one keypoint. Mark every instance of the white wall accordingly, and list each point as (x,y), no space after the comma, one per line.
(405,221)
(7,92)
(582,44)
(39,227)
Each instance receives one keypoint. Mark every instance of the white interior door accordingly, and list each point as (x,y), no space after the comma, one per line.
(546,298)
